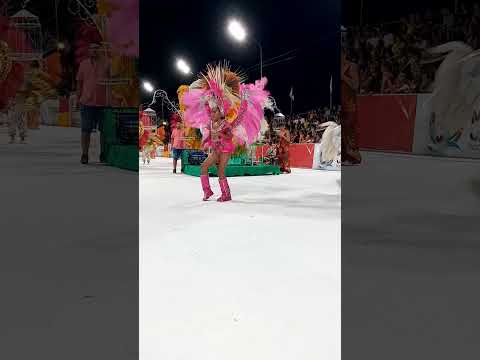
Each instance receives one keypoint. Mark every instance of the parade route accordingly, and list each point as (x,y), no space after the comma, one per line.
(254,278)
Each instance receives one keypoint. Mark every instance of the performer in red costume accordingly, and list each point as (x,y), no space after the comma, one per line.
(350,86)
(283,150)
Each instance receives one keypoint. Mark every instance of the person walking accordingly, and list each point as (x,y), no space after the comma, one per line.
(92,98)
(178,144)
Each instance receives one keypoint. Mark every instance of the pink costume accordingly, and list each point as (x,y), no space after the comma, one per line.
(177,138)
(241,106)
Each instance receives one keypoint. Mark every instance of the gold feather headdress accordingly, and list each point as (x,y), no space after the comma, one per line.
(222,80)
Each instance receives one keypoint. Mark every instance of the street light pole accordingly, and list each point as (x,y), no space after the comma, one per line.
(237,31)
(361,13)
(261,57)
(261,61)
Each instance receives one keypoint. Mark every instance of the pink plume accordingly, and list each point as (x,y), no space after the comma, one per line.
(196,113)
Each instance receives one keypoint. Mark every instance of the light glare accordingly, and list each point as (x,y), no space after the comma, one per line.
(183,66)
(236,29)
(147,86)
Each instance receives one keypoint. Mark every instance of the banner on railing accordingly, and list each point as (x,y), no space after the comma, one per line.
(406,123)
(431,139)
(301,155)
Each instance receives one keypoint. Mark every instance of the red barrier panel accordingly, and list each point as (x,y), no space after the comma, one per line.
(301,155)
(386,122)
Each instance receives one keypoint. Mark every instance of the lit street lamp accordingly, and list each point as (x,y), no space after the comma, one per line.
(183,67)
(238,32)
(148,86)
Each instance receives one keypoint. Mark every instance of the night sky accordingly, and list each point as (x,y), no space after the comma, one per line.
(196,30)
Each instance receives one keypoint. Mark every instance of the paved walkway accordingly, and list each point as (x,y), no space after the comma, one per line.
(68,263)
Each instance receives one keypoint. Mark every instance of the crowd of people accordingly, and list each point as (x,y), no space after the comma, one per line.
(393,57)
(306,128)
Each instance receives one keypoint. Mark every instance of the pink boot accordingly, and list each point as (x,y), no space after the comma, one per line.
(207,191)
(226,196)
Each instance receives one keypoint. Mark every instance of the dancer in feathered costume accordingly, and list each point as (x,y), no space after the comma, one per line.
(151,145)
(41,88)
(10,80)
(142,135)
(13,87)
(228,113)
(149,141)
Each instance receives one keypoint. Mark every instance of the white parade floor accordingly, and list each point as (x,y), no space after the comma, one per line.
(255,278)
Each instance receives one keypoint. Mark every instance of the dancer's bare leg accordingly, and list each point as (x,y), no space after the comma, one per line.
(222,164)
(209,161)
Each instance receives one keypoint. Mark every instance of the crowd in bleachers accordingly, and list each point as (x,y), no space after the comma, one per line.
(393,57)
(305,128)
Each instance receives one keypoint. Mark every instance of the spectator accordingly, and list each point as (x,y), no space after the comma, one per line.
(426,83)
(403,44)
(387,79)
(306,128)
(178,144)
(92,98)
(476,10)
(388,39)
(462,10)
(474,32)
(401,84)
